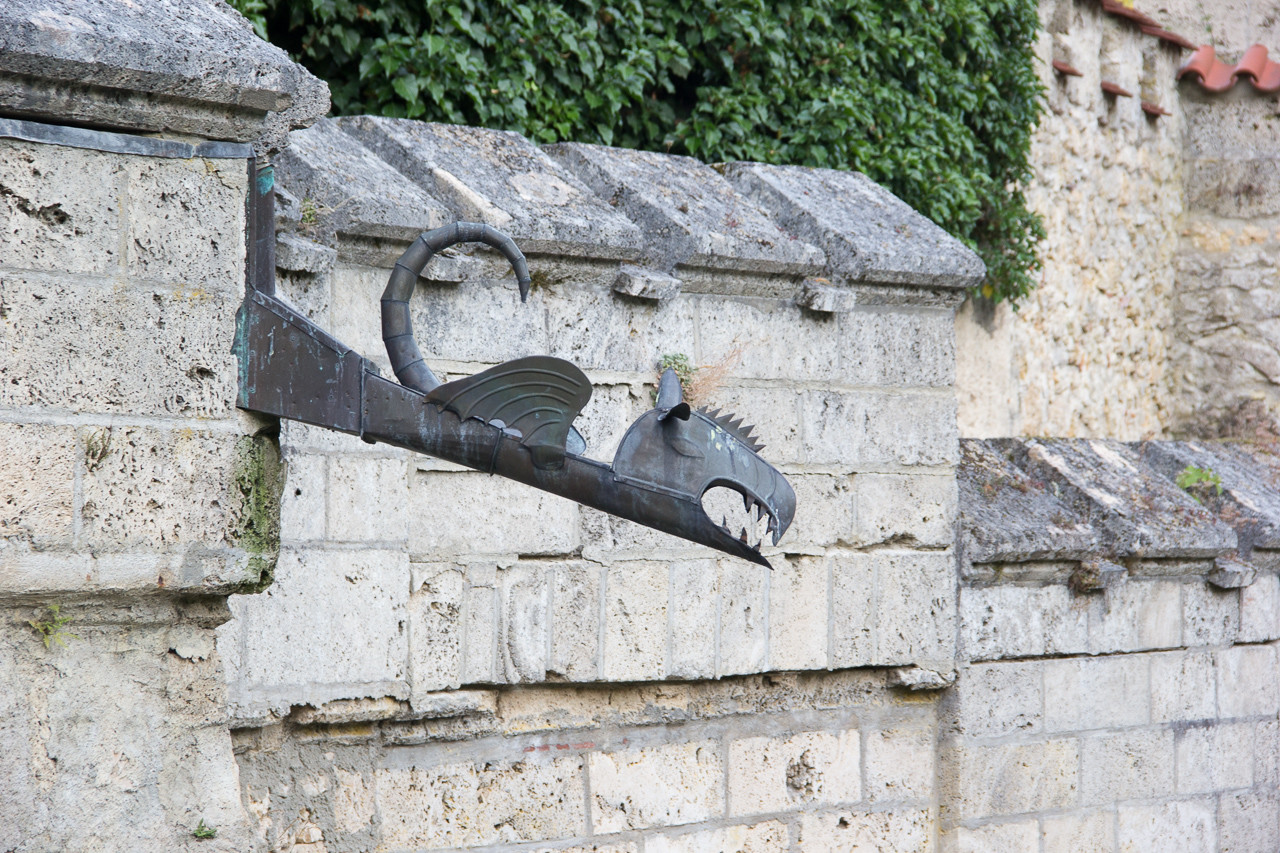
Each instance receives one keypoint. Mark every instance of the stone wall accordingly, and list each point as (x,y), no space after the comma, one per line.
(1088,352)
(1118,638)
(409,590)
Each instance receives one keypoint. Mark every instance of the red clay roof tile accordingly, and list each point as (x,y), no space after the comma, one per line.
(1217,76)
(1114,89)
(1066,70)
(1154,110)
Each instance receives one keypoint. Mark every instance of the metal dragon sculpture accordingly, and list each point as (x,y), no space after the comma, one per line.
(514,420)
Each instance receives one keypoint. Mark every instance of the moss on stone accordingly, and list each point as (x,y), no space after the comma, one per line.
(259,482)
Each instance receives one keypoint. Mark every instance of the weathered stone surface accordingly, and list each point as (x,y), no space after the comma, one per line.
(794,772)
(1016,621)
(1020,777)
(345,189)
(896,346)
(919,509)
(695,610)
(798,613)
(1089,830)
(298,651)
(1151,619)
(436,628)
(899,764)
(1007,514)
(759,838)
(1215,758)
(501,179)
(997,699)
(1135,764)
(878,429)
(995,838)
(194,68)
(37,483)
(868,233)
(465,804)
(688,214)
(848,831)
(1107,481)
(645,283)
(744,617)
(662,785)
(635,626)
(575,621)
(1180,825)
(1183,686)
(298,254)
(893,607)
(519,519)
(1095,693)
(1260,610)
(368,500)
(1247,684)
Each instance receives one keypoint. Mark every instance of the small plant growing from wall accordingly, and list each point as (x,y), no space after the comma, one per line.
(50,628)
(203,831)
(1199,482)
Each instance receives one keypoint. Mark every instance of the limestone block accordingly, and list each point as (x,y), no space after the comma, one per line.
(794,772)
(187,222)
(436,627)
(868,233)
(598,331)
(898,347)
(575,620)
(852,831)
(1088,830)
(98,346)
(1018,778)
(1183,686)
(695,609)
(1135,616)
(825,514)
(1266,765)
(1016,621)
(605,419)
(744,617)
(900,764)
(770,338)
(1260,610)
(330,627)
(1095,693)
(502,179)
(996,699)
(915,607)
(635,626)
(645,283)
(1248,821)
(477,514)
(1210,616)
(481,321)
(1216,757)
(766,837)
(367,500)
(480,638)
(1185,825)
(798,613)
(524,627)
(995,838)
(345,188)
(606,538)
(853,613)
(1128,765)
(687,212)
(466,804)
(905,508)
(1247,682)
(37,483)
(662,785)
(302,506)
(156,488)
(61,209)
(878,429)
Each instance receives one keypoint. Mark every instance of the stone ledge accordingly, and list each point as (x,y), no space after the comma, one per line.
(194,67)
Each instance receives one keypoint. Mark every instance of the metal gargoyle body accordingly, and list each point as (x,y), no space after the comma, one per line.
(514,420)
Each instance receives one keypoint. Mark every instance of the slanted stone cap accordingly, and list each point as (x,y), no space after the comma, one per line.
(869,234)
(160,66)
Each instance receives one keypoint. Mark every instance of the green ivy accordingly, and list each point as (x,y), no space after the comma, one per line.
(935,99)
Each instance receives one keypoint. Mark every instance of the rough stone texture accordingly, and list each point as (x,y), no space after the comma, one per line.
(501,179)
(190,68)
(869,233)
(692,212)
(1089,352)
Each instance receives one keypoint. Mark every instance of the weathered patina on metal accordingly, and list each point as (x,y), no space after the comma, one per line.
(514,420)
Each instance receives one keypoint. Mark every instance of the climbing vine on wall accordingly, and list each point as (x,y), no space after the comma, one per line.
(935,99)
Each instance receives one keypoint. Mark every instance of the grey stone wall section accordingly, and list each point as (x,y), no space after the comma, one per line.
(504,180)
(192,68)
(689,214)
(869,234)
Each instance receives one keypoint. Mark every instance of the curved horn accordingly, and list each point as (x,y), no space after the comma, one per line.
(397,328)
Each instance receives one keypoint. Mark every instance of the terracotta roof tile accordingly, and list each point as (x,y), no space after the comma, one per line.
(1171,38)
(1146,23)
(1217,76)
(1066,70)
(1114,89)
(1154,110)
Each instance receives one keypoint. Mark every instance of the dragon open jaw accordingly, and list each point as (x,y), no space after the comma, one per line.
(744,516)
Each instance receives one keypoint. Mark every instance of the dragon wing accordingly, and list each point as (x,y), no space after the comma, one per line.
(536,398)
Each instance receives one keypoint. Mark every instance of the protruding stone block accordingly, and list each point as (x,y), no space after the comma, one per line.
(645,283)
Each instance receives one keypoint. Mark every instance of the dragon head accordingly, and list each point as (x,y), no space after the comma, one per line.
(683,453)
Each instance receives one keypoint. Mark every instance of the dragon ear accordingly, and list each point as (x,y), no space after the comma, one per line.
(671,402)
